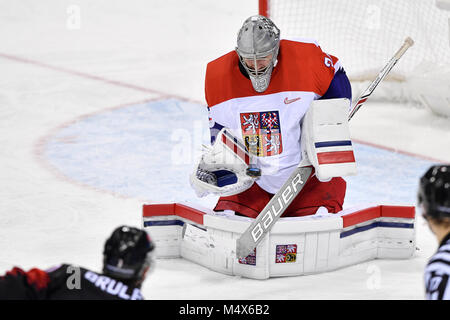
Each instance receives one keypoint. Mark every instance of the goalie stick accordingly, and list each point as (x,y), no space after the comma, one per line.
(387,68)
(262,224)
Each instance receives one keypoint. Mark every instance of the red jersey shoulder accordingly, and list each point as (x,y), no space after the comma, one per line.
(224,80)
(309,54)
(309,59)
(35,277)
(221,66)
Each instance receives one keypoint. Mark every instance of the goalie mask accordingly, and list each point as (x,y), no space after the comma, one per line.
(258,42)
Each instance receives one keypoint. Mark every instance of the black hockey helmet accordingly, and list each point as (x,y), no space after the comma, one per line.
(127,253)
(434,192)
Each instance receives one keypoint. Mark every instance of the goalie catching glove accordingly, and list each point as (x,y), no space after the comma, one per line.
(224,168)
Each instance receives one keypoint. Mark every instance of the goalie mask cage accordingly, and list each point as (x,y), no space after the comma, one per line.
(364,34)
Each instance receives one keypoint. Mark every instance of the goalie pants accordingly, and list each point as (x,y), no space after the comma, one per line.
(315,194)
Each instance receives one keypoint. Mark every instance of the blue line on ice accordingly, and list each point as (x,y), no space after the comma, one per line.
(148,150)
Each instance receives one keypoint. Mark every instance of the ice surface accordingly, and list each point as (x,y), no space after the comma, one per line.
(105,152)
(102,115)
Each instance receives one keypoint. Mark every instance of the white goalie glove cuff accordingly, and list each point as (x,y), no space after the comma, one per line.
(222,169)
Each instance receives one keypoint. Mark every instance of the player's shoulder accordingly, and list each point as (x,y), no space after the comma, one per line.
(224,57)
(441,259)
(308,51)
(63,271)
(304,46)
(222,64)
(300,42)
(444,248)
(222,78)
(62,267)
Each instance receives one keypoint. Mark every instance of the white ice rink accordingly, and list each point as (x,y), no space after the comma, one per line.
(91,107)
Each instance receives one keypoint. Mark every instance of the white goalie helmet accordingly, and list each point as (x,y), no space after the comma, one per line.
(258,42)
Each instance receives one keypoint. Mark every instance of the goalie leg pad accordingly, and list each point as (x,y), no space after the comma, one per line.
(295,246)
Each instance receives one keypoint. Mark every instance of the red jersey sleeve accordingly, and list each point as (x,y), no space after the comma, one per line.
(224,81)
(18,284)
(323,66)
(312,69)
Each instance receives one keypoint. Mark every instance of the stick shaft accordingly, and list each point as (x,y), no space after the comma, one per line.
(272,211)
(383,73)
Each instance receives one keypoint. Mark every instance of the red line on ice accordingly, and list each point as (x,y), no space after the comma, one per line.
(168,95)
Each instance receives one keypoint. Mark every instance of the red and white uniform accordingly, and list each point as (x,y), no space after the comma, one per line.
(269,122)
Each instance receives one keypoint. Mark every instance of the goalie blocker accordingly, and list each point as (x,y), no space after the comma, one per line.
(325,139)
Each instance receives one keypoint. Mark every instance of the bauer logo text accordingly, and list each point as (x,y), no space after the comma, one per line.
(276,206)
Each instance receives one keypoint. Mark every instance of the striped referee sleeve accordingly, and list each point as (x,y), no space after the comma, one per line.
(437,274)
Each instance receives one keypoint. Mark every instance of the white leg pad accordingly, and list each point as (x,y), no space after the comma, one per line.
(294,246)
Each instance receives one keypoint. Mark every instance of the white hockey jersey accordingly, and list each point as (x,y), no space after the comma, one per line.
(269,122)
